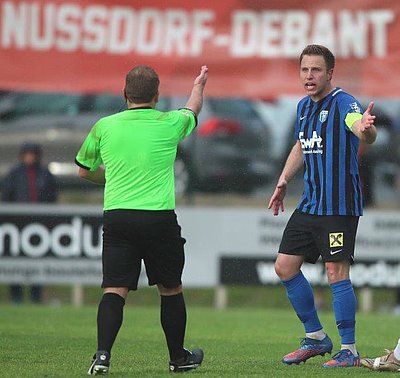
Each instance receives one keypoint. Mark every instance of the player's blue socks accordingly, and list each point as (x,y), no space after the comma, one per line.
(301,297)
(344,306)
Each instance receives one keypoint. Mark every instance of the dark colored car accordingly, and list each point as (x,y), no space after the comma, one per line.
(229,149)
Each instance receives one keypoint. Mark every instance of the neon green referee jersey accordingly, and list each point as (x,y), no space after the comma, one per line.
(137,148)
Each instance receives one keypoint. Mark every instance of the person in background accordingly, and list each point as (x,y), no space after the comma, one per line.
(132,153)
(29,182)
(329,127)
(389,362)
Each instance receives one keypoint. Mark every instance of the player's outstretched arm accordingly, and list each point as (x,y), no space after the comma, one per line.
(195,101)
(293,163)
(276,201)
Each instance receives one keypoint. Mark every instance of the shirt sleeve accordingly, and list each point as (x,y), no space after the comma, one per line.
(352,111)
(88,156)
(187,122)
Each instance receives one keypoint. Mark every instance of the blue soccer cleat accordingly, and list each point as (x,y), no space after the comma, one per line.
(309,348)
(343,358)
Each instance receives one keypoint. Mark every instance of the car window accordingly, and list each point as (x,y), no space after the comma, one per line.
(233,108)
(110,103)
(107,103)
(24,104)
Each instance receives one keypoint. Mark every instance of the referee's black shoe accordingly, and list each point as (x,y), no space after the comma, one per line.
(100,363)
(192,361)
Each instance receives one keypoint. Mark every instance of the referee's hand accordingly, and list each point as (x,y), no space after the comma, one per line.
(202,78)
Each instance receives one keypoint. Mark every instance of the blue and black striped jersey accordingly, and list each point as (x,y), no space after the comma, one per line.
(331,178)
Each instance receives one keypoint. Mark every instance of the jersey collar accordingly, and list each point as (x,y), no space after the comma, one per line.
(140,107)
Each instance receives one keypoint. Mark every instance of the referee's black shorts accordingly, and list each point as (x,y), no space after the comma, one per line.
(130,236)
(329,236)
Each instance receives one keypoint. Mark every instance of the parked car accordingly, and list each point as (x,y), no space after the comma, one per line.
(384,154)
(57,121)
(230,149)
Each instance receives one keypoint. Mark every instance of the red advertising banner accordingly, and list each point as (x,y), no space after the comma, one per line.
(251,47)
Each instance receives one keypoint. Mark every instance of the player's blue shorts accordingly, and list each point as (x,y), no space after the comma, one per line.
(330,236)
(133,236)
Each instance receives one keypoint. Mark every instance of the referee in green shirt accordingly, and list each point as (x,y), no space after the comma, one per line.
(132,153)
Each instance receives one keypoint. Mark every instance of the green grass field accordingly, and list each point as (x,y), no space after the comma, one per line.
(58,341)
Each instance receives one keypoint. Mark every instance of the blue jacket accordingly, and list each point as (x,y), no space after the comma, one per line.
(16,187)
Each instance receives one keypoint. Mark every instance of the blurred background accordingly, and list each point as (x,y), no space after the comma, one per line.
(63,67)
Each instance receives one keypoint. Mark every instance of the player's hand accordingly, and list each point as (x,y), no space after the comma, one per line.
(276,201)
(367,119)
(202,78)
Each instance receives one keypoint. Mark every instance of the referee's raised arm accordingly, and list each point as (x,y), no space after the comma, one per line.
(195,101)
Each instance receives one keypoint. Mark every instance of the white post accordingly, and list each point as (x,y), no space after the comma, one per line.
(367,300)
(77,295)
(221,297)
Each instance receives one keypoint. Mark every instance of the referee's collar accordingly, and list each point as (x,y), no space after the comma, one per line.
(140,107)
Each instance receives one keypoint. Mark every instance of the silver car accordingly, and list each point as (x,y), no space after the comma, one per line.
(229,150)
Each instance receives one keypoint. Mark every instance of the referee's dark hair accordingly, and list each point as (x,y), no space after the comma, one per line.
(141,84)
(322,51)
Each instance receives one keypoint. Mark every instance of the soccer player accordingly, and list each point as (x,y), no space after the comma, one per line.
(329,127)
(389,362)
(132,153)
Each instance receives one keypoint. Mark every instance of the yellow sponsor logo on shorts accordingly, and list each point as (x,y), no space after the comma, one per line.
(336,239)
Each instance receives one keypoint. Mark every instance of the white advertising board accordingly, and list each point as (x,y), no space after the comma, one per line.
(62,244)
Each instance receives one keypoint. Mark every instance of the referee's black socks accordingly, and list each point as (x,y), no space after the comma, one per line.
(109,320)
(173,321)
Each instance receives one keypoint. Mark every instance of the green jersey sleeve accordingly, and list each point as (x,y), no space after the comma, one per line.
(89,154)
(188,121)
